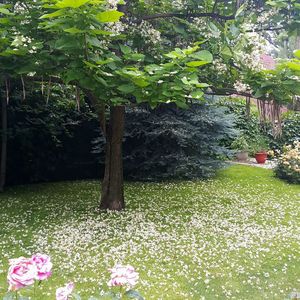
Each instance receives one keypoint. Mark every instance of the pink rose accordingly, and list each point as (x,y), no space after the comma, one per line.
(43,264)
(63,293)
(21,273)
(123,275)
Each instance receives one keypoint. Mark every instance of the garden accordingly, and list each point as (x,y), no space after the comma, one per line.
(150,149)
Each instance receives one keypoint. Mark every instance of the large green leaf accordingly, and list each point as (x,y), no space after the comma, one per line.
(213,28)
(73,30)
(203,55)
(135,56)
(125,49)
(126,88)
(197,63)
(241,10)
(71,3)
(109,16)
(141,82)
(5,11)
(67,43)
(294,66)
(202,85)
(297,53)
(4,20)
(102,32)
(57,13)
(197,94)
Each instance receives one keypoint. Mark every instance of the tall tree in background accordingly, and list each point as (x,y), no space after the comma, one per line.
(127,52)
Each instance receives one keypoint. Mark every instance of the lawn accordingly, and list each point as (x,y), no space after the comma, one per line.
(236,236)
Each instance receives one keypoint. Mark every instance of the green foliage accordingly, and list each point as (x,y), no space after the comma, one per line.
(93,45)
(173,143)
(259,144)
(290,131)
(248,126)
(240,144)
(43,138)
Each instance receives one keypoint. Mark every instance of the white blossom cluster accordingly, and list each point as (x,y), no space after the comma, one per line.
(179,4)
(112,4)
(266,15)
(241,87)
(252,59)
(23,41)
(147,32)
(219,66)
(201,25)
(116,28)
(226,238)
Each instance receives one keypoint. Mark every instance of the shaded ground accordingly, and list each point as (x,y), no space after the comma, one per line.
(233,237)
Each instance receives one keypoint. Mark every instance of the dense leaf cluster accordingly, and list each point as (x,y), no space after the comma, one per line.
(49,141)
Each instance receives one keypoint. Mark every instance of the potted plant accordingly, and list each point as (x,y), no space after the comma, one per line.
(259,149)
(241,147)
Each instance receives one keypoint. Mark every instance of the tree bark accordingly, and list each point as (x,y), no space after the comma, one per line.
(3,142)
(112,196)
(248,107)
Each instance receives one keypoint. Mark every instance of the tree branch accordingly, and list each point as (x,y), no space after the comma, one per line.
(213,15)
(267,29)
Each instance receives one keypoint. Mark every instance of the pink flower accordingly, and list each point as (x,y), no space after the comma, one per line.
(63,293)
(43,264)
(123,275)
(268,62)
(21,273)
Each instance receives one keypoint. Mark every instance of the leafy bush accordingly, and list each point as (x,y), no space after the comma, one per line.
(240,144)
(248,126)
(43,139)
(289,163)
(258,144)
(290,130)
(174,143)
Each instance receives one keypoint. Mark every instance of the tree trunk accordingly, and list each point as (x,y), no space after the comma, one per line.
(112,196)
(3,142)
(248,107)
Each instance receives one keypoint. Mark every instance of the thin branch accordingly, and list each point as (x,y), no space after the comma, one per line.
(213,15)
(7,90)
(23,88)
(49,88)
(267,29)
(228,92)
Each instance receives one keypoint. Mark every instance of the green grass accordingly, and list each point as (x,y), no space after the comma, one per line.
(232,237)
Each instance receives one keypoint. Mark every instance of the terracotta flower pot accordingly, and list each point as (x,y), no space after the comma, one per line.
(261,157)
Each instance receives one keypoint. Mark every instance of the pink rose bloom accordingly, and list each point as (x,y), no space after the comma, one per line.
(123,275)
(43,264)
(63,293)
(21,273)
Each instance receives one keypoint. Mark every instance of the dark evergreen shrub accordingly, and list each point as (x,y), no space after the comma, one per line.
(172,143)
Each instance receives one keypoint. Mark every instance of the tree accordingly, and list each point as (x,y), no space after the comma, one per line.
(127,52)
